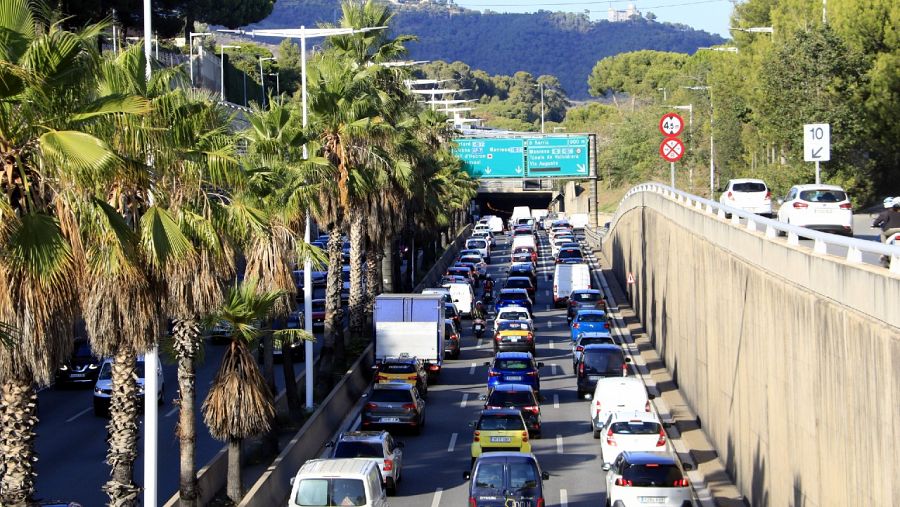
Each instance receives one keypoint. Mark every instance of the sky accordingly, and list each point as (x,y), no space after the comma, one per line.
(709,15)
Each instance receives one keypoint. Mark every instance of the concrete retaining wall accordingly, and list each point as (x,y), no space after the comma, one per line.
(433,277)
(791,360)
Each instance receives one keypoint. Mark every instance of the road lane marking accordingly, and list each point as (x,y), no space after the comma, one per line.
(480,343)
(465,399)
(555,401)
(472,369)
(550,343)
(549,324)
(554,369)
(79,414)
(452,443)
(437,497)
(559,444)
(170,413)
(563,498)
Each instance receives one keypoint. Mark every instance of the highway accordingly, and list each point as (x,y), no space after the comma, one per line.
(434,462)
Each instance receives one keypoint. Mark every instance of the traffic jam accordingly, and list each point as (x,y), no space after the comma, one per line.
(515,359)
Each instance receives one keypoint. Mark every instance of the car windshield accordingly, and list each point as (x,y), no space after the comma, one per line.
(652,475)
(511,399)
(522,475)
(83,351)
(390,396)
(512,364)
(330,492)
(489,475)
(501,423)
(514,325)
(351,449)
(749,186)
(592,317)
(398,368)
(586,297)
(823,196)
(106,371)
(635,428)
(604,361)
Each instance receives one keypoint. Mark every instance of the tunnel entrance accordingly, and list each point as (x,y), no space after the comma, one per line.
(502,204)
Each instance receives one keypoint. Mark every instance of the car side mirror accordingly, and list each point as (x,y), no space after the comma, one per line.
(606,467)
(545,476)
(627,359)
(540,365)
(687,466)
(467,475)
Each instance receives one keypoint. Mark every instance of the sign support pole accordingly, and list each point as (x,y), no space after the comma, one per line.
(818,179)
(672,173)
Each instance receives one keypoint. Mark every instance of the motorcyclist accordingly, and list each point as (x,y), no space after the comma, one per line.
(478,311)
(488,285)
(889,219)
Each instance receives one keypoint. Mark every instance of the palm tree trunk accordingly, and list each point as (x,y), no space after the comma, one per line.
(186,334)
(123,428)
(235,486)
(334,319)
(373,283)
(295,407)
(17,421)
(357,298)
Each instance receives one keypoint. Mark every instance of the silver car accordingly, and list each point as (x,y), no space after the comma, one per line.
(378,446)
(648,478)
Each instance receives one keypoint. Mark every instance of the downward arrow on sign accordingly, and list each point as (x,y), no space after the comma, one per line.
(816,153)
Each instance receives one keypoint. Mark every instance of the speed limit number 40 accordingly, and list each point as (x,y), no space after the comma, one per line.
(671,124)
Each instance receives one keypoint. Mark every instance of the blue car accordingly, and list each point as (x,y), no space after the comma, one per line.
(513,297)
(589,321)
(514,368)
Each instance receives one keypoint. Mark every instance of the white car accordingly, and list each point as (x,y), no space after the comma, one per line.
(558,242)
(616,394)
(648,478)
(377,446)
(103,387)
(513,313)
(821,207)
(749,195)
(481,244)
(632,431)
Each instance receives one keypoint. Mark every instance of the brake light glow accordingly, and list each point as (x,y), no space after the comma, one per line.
(540,502)
(532,373)
(388,465)
(800,205)
(610,438)
(624,369)
(409,407)
(472,502)
(683,483)
(530,337)
(532,409)
(497,337)
(434,367)
(662,438)
(579,349)
(623,482)
(606,325)
(574,325)
(476,436)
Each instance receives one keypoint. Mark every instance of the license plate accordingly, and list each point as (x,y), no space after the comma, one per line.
(513,377)
(77,375)
(594,377)
(514,338)
(823,211)
(390,419)
(501,440)
(652,499)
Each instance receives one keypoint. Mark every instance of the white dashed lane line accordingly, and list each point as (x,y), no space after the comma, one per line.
(555,401)
(465,400)
(472,369)
(79,414)
(452,442)
(563,498)
(559,444)
(437,497)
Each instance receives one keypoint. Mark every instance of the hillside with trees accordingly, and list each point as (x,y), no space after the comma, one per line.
(554,43)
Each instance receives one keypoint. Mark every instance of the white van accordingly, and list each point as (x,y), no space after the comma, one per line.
(568,278)
(523,240)
(342,481)
(463,297)
(616,394)
(520,212)
(495,223)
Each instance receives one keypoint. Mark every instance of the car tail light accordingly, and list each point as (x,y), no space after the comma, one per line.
(647,406)
(730,195)
(610,438)
(530,337)
(371,406)
(434,367)
(532,373)
(681,483)
(574,325)
(597,405)
(412,377)
(768,196)
(579,349)
(409,407)
(606,325)
(497,337)
(581,370)
(846,205)
(623,482)
(380,377)
(454,337)
(573,303)
(532,409)
(388,465)
(540,502)
(524,436)
(624,369)
(662,438)
(472,502)
(800,205)
(493,373)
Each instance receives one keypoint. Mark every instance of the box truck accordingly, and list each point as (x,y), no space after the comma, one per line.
(410,324)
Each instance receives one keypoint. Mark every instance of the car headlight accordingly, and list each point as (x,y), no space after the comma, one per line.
(93,366)
(97,390)
(63,367)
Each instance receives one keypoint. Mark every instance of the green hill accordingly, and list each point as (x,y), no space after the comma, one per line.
(566,45)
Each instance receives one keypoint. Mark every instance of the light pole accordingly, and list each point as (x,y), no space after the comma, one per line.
(690,109)
(277,82)
(222,62)
(191,50)
(303,33)
(542,107)
(262,78)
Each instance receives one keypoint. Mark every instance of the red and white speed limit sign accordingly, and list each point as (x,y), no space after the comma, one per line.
(671,149)
(671,124)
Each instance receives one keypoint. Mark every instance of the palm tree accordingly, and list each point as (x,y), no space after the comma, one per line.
(48,101)
(239,404)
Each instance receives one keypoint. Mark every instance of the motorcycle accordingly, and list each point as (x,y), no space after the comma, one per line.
(478,326)
(488,297)
(891,240)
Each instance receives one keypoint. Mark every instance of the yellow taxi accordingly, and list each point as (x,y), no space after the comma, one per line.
(514,336)
(498,430)
(403,369)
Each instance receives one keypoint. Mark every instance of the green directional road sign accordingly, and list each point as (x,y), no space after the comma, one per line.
(563,156)
(492,157)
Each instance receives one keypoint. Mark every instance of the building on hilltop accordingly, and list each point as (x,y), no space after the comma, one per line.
(616,16)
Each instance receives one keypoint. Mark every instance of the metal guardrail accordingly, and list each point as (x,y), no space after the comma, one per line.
(772,228)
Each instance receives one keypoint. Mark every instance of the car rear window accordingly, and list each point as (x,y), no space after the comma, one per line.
(351,449)
(749,187)
(523,249)
(635,427)
(652,475)
(478,243)
(448,312)
(823,196)
(516,315)
(597,340)
(501,423)
(398,368)
(318,306)
(518,284)
(512,364)
(603,361)
(489,475)
(514,325)
(522,475)
(470,259)
(511,399)
(327,492)
(522,232)
(514,296)
(390,396)
(592,317)
(569,253)
(586,297)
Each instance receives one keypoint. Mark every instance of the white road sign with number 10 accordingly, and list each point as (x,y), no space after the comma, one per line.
(817,142)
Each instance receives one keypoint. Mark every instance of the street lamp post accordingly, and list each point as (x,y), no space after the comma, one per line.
(303,33)
(262,78)
(277,82)
(222,62)
(191,51)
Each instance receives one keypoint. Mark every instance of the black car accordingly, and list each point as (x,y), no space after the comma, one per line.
(81,368)
(393,405)
(520,282)
(523,269)
(506,478)
(518,396)
(599,361)
(569,255)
